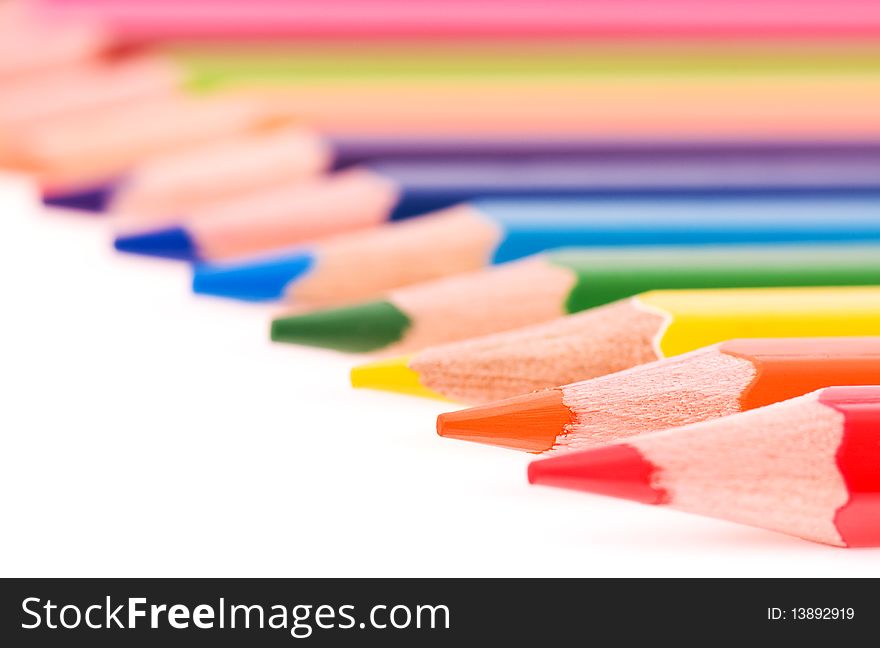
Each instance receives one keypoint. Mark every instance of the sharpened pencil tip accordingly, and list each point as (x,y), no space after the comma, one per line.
(531,422)
(616,470)
(262,280)
(171,243)
(393,375)
(92,199)
(360,328)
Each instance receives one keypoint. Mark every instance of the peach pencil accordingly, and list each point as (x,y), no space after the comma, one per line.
(645,107)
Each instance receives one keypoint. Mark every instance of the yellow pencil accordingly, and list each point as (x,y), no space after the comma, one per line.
(599,341)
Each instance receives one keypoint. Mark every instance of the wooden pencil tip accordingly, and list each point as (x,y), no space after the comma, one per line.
(617,470)
(392,375)
(169,243)
(531,422)
(358,328)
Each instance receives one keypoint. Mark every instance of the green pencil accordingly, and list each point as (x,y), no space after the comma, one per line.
(210,68)
(546,286)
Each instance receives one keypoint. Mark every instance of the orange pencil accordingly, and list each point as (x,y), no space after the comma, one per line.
(809,467)
(715,381)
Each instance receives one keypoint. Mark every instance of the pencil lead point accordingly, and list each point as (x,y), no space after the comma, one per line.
(92,199)
(261,280)
(617,470)
(169,243)
(531,422)
(392,375)
(360,328)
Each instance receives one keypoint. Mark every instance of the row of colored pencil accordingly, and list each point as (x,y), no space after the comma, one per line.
(653,255)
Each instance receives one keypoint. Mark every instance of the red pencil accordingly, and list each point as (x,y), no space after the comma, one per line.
(809,467)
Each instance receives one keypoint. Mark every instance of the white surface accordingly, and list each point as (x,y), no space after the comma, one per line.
(148,432)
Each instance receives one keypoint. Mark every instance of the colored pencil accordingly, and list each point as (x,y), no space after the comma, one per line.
(10,16)
(151,20)
(288,64)
(649,106)
(351,149)
(366,263)
(182,181)
(32,47)
(70,152)
(723,379)
(230,169)
(817,106)
(807,467)
(85,87)
(543,288)
(389,191)
(621,335)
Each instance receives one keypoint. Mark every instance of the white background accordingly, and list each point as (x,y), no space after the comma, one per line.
(149,432)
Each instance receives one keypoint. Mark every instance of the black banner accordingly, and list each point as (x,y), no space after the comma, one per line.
(429,612)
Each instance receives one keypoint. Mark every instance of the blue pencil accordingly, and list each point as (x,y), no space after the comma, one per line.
(471,236)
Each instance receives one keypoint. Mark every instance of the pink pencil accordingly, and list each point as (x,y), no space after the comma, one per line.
(27,47)
(161,19)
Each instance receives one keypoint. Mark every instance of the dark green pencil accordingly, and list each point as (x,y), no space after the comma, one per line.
(549,285)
